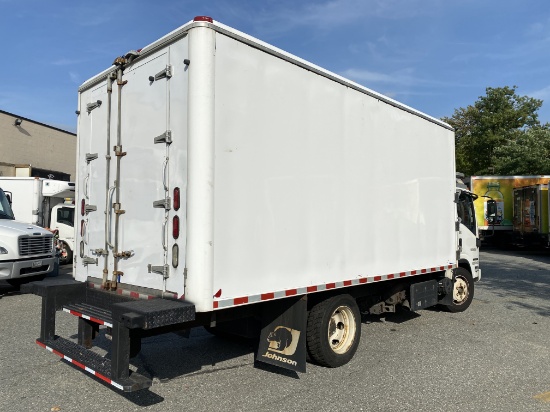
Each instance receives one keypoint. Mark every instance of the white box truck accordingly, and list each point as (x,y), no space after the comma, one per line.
(26,251)
(225,183)
(47,203)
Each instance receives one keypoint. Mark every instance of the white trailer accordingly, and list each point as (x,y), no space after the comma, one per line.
(225,183)
(46,203)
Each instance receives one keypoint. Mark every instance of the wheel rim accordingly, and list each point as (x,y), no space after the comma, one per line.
(341,329)
(460,291)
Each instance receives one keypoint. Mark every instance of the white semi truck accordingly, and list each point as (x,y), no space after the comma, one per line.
(225,183)
(46,203)
(26,251)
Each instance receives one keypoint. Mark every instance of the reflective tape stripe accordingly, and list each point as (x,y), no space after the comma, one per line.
(90,318)
(227,303)
(81,366)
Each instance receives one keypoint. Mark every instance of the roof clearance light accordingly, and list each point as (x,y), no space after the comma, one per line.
(176,198)
(176,227)
(204,18)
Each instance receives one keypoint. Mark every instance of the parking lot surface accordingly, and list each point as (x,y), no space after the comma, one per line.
(493,357)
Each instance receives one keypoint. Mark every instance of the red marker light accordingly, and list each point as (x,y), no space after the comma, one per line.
(83,207)
(218,293)
(176,198)
(204,18)
(176,227)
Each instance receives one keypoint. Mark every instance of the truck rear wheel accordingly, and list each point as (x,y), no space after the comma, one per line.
(463,291)
(333,331)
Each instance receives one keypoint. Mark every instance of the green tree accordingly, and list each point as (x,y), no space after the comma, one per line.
(491,122)
(528,154)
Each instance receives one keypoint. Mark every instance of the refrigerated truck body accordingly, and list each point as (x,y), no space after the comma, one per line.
(225,183)
(501,190)
(531,216)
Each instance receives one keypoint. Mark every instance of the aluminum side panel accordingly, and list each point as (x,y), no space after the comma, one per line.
(316,182)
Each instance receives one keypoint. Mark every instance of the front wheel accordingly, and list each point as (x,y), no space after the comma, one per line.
(463,291)
(333,331)
(66,255)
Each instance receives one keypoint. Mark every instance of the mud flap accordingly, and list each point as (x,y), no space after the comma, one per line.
(283,337)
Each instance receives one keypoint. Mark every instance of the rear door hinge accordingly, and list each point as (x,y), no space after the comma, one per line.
(93,105)
(91,156)
(165,204)
(166,137)
(162,270)
(89,208)
(86,260)
(166,73)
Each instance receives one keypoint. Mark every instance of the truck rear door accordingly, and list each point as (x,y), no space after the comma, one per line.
(129,200)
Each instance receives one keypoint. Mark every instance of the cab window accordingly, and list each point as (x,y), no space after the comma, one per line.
(466,212)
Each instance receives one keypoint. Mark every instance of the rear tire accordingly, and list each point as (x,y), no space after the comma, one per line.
(333,331)
(463,291)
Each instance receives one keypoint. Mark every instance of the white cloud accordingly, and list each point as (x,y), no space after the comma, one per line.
(542,94)
(336,13)
(66,62)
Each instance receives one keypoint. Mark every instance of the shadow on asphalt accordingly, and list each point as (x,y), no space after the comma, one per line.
(519,280)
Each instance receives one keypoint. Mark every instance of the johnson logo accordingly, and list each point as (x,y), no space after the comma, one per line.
(283,341)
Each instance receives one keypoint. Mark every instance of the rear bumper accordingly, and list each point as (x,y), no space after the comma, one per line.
(129,319)
(26,268)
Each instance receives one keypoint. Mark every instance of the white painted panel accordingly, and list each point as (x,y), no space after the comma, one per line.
(144,117)
(92,132)
(316,182)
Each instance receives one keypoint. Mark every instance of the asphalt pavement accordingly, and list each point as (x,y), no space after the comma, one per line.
(493,357)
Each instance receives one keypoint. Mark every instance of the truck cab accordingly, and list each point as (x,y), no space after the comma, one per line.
(26,251)
(468,235)
(62,220)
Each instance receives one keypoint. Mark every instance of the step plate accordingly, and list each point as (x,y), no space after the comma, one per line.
(92,313)
(93,363)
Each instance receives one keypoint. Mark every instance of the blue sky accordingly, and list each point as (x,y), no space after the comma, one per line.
(433,55)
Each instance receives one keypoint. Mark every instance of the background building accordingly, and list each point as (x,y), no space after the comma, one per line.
(29,148)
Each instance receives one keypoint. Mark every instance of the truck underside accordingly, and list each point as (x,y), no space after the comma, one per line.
(132,314)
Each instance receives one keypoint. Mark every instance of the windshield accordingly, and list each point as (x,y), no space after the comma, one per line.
(5,208)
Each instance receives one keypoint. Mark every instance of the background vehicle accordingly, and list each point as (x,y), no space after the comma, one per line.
(46,203)
(501,189)
(531,215)
(225,183)
(26,251)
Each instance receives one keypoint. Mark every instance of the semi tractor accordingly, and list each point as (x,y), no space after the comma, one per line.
(26,251)
(46,203)
(225,183)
